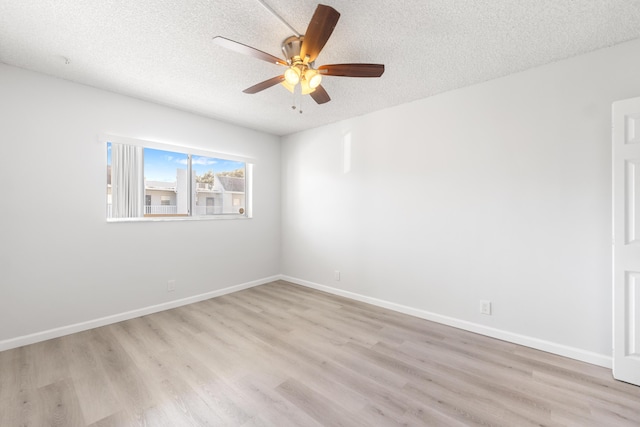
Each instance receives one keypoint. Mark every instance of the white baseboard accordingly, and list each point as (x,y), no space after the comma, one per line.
(548,346)
(95,323)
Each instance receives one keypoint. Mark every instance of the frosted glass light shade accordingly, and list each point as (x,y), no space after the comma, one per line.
(292,76)
(313,77)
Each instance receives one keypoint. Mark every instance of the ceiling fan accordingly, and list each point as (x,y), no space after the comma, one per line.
(300,52)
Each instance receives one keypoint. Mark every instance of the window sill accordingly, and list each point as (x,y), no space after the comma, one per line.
(164,218)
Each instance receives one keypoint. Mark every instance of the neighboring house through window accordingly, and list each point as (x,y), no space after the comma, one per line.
(146,182)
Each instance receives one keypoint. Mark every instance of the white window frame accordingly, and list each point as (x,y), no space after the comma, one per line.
(190,151)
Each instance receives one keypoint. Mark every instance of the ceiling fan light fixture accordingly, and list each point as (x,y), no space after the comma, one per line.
(292,76)
(313,78)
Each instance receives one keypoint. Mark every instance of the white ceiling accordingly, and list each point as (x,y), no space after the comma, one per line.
(162,50)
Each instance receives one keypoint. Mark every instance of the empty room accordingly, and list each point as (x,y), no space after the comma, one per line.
(291,213)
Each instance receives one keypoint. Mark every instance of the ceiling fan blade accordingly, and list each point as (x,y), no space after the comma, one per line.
(248,50)
(264,85)
(320,95)
(352,70)
(320,27)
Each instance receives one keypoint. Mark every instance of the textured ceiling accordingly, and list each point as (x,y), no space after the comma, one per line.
(162,50)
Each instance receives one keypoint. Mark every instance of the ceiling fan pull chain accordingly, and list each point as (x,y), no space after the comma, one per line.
(299,94)
(293,100)
(297,100)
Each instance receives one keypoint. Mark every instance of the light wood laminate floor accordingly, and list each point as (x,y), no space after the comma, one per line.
(284,355)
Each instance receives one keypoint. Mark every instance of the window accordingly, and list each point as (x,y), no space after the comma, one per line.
(151,180)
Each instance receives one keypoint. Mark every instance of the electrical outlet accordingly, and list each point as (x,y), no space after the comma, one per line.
(336,275)
(171,285)
(485,307)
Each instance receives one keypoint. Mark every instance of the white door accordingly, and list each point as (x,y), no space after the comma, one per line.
(626,238)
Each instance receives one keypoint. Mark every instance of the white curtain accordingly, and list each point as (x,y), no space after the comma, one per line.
(127,181)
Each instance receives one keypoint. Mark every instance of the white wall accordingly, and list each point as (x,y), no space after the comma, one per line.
(498,191)
(61,263)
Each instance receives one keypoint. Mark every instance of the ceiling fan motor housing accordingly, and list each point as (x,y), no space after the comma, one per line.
(291,49)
